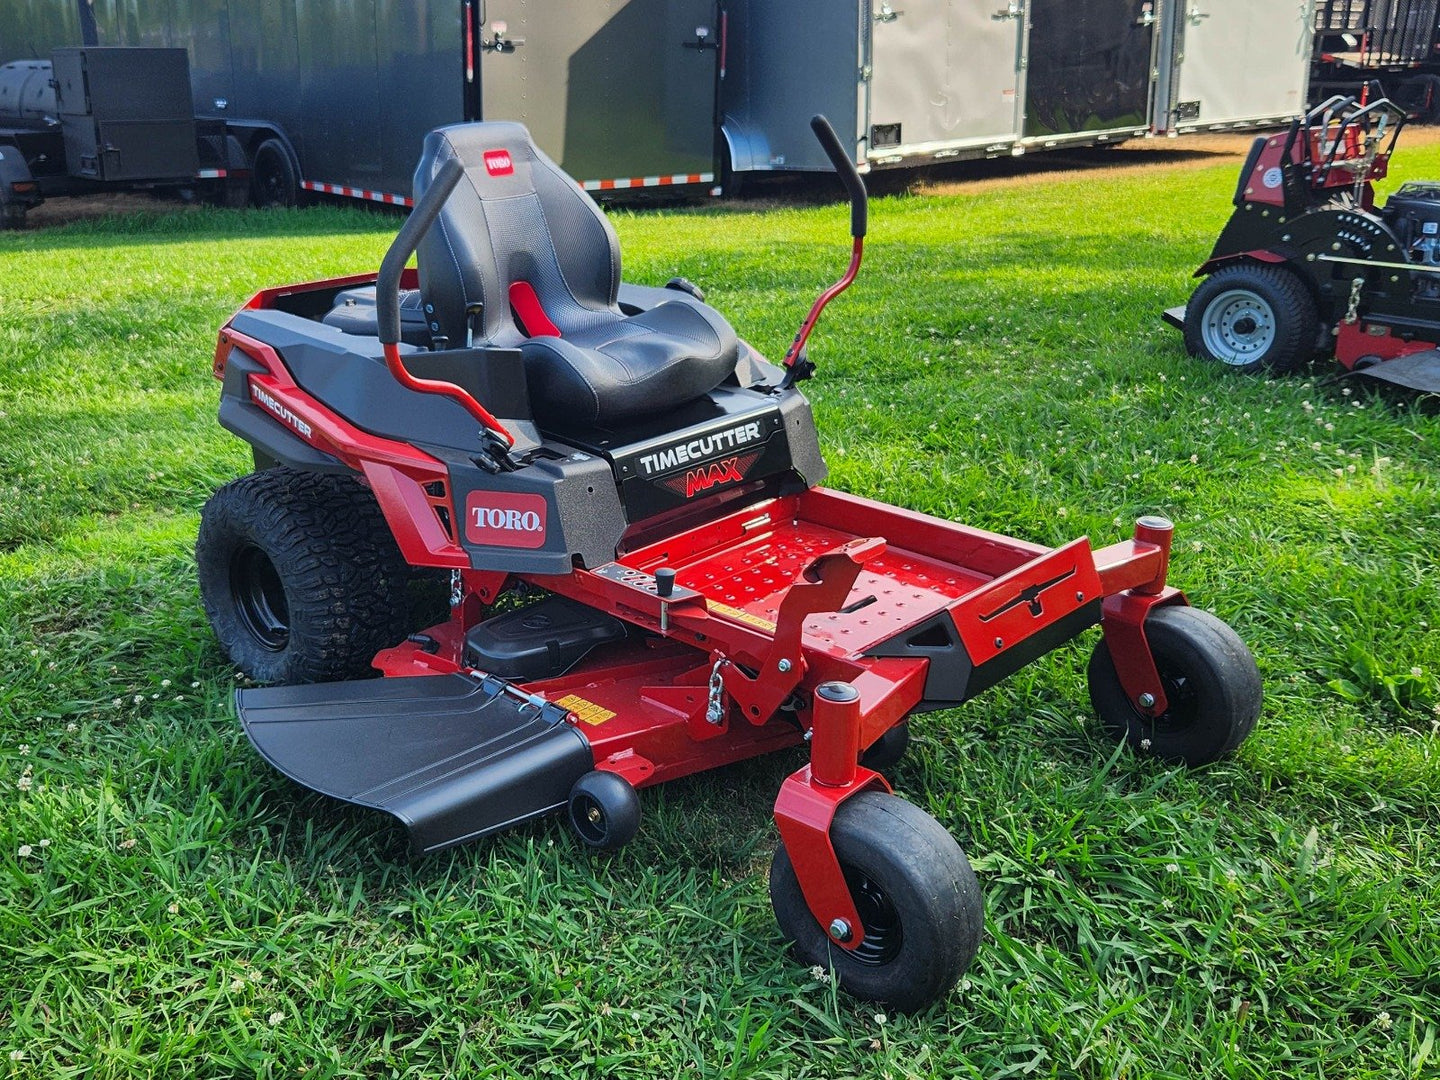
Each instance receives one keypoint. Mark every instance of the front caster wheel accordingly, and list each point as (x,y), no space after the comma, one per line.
(916,895)
(1211,684)
(604,810)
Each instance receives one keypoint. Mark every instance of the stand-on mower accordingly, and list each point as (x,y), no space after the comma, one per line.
(645,579)
(1309,264)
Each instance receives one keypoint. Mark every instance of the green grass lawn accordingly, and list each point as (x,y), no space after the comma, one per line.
(171,906)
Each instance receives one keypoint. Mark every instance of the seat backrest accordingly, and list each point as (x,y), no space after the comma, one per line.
(514,217)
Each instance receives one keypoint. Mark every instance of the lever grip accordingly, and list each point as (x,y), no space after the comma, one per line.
(387,285)
(845,169)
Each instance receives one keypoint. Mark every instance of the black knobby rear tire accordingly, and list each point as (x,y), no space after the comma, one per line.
(604,810)
(273,180)
(1212,687)
(300,576)
(1251,317)
(917,898)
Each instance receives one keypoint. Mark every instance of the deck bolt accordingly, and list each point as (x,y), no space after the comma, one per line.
(1146,701)
(840,930)
(1079,596)
(783,665)
(999,643)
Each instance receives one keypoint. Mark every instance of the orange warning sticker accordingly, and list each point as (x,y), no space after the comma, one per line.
(587,711)
(743,616)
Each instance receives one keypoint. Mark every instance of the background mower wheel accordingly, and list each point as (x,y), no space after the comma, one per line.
(1252,316)
(604,810)
(916,895)
(300,576)
(1211,683)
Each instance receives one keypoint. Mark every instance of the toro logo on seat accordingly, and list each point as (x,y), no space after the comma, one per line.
(499,163)
(501,519)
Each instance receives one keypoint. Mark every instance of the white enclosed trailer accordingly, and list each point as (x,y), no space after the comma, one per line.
(914,81)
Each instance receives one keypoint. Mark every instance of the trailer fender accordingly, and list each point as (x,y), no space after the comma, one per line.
(746,148)
(1263,256)
(19,190)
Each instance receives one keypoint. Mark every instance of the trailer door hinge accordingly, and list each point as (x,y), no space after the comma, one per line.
(866,72)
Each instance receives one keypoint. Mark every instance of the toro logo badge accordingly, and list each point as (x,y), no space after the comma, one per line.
(498,163)
(498,519)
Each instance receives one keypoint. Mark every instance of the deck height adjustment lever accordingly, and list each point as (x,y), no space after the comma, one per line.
(664,589)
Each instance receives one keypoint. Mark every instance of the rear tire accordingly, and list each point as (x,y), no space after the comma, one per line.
(1212,687)
(916,895)
(1252,317)
(300,576)
(273,180)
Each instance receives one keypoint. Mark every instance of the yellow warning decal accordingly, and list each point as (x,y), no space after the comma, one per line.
(587,711)
(743,616)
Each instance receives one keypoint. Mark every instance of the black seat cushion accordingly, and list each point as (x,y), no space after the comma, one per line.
(627,368)
(517,219)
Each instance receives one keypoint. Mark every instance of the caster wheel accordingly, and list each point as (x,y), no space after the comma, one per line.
(1211,684)
(886,752)
(1250,317)
(604,810)
(918,900)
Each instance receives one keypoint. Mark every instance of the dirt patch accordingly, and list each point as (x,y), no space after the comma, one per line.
(63,211)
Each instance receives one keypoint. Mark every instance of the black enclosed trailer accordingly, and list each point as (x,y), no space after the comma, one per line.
(335,96)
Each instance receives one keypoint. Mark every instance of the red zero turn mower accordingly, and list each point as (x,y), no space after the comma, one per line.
(1308,263)
(646,580)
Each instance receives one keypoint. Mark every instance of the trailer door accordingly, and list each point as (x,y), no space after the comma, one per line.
(1238,62)
(1089,73)
(945,73)
(620,92)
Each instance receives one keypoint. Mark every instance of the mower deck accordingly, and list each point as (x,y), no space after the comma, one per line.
(769,602)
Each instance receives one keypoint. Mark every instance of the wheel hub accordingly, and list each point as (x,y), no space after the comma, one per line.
(1238,327)
(878,918)
(260,597)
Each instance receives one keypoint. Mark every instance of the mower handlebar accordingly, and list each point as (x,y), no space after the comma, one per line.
(387,285)
(845,168)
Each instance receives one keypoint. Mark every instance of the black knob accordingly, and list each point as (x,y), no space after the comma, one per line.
(664,582)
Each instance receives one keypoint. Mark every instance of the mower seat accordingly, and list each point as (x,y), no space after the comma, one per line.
(520,238)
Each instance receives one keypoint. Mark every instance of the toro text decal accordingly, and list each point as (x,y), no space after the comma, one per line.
(500,519)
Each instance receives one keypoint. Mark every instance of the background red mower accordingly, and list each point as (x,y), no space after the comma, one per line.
(646,580)
(1308,263)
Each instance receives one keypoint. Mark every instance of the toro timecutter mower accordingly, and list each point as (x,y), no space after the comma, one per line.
(645,579)
(1309,264)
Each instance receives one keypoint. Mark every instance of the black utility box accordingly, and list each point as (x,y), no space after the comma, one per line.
(126,113)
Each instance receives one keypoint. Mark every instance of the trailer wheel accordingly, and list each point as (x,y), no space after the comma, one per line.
(1211,684)
(273,181)
(300,576)
(917,898)
(604,810)
(1252,316)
